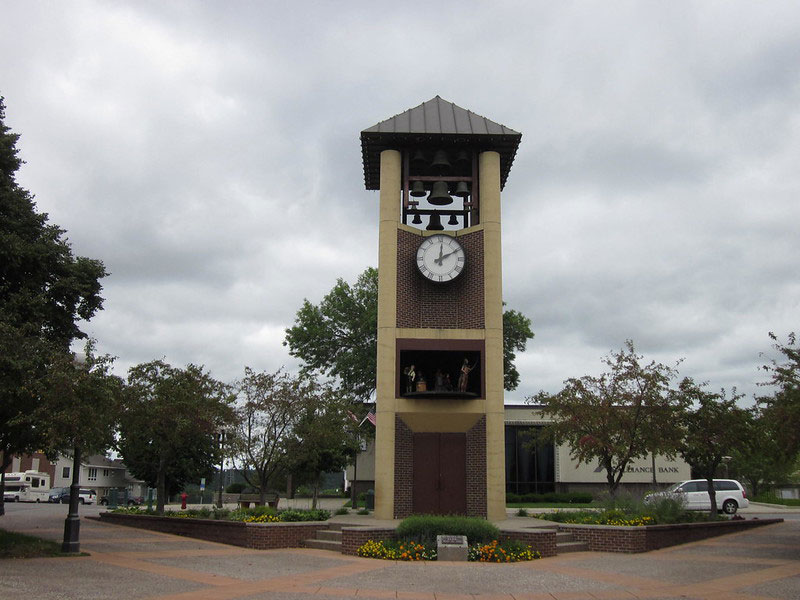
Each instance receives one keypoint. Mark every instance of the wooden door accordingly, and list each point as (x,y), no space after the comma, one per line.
(440,473)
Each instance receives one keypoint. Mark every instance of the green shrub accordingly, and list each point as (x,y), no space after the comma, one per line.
(304,515)
(235,488)
(425,528)
(550,498)
(363,511)
(242,514)
(522,512)
(770,498)
(343,511)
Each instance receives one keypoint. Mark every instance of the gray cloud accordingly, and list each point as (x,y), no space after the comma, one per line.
(209,154)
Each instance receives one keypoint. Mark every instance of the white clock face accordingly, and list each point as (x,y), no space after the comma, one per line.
(440,258)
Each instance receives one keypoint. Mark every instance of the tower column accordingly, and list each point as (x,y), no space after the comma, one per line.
(489,178)
(390,183)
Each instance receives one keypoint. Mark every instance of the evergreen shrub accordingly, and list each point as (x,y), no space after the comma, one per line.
(425,528)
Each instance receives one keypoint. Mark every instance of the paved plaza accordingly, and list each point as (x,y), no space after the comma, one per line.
(126,563)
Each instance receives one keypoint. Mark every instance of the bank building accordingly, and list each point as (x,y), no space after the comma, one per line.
(445,441)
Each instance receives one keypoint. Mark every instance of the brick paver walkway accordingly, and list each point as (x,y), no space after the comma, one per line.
(126,563)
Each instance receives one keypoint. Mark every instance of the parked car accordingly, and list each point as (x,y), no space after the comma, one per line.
(85,496)
(56,493)
(123,497)
(731,495)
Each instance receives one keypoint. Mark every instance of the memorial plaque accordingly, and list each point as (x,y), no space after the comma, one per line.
(453,539)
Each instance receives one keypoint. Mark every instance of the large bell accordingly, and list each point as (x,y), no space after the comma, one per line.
(417,220)
(453,220)
(418,160)
(440,164)
(418,189)
(435,223)
(462,189)
(463,159)
(439,195)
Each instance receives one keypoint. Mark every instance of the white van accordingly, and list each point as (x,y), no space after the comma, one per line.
(30,486)
(731,495)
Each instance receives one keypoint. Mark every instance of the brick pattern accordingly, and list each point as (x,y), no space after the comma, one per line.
(476,469)
(542,540)
(261,536)
(608,538)
(403,468)
(355,537)
(458,304)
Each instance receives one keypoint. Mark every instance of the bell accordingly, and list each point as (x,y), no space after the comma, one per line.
(462,189)
(453,220)
(439,195)
(417,220)
(418,160)
(463,159)
(418,189)
(435,223)
(440,163)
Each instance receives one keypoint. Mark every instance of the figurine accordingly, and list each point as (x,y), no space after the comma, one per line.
(411,375)
(464,376)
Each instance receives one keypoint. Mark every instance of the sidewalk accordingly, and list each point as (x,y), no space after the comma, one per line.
(128,563)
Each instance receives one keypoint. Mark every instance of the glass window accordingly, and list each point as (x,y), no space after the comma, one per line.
(92,474)
(65,472)
(530,467)
(725,486)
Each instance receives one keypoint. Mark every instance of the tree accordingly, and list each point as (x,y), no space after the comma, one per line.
(516,333)
(80,402)
(44,292)
(272,404)
(324,438)
(713,427)
(761,459)
(169,425)
(339,337)
(622,415)
(783,406)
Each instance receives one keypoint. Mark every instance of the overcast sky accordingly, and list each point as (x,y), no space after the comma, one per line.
(209,154)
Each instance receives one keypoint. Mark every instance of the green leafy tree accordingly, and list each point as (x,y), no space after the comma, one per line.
(624,414)
(271,404)
(783,406)
(760,459)
(339,336)
(714,426)
(44,291)
(80,403)
(516,333)
(324,438)
(169,425)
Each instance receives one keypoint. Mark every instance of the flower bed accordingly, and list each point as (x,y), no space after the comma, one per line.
(494,551)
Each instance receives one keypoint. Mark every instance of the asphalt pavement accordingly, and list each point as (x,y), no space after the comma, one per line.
(127,563)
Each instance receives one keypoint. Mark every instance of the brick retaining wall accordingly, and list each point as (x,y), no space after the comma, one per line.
(355,537)
(609,538)
(542,540)
(261,536)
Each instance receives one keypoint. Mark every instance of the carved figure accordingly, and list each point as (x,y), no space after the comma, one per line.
(463,377)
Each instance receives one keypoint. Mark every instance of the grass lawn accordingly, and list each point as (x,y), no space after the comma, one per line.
(17,545)
(550,505)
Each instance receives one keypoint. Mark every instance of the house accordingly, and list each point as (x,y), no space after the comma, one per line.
(99,473)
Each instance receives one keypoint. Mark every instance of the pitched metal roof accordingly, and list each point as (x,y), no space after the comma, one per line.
(436,122)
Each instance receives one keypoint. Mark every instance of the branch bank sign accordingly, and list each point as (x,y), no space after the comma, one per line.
(638,471)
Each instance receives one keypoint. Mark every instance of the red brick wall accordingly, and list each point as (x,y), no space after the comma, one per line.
(403,468)
(261,536)
(354,538)
(541,540)
(476,469)
(608,538)
(458,304)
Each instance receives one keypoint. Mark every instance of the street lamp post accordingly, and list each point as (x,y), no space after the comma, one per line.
(221,441)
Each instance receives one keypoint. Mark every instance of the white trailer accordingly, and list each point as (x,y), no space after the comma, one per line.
(30,486)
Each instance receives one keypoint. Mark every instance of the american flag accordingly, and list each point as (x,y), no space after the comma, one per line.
(371,418)
(355,418)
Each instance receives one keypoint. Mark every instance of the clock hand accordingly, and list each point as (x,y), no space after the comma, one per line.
(440,260)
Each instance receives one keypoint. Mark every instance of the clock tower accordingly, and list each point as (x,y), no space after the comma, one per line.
(440,418)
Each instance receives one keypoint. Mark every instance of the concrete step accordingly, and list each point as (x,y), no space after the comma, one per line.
(564,547)
(324,545)
(564,536)
(331,535)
